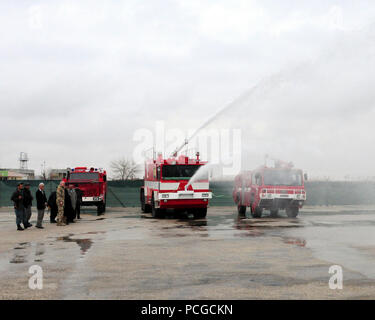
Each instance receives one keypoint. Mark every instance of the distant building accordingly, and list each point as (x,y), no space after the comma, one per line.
(11,175)
(57,174)
(17,174)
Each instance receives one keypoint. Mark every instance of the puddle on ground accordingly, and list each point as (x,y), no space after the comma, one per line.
(295,241)
(95,232)
(84,244)
(21,257)
(129,217)
(39,249)
(18,259)
(22,245)
(228,225)
(267,222)
(188,225)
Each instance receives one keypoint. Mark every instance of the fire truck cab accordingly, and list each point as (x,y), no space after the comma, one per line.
(93,184)
(166,186)
(273,189)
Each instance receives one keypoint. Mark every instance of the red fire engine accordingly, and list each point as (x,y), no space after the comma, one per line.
(277,188)
(93,184)
(166,186)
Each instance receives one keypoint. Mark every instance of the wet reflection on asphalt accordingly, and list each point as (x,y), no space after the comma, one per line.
(223,248)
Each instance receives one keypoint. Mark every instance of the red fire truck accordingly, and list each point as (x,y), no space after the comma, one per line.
(93,184)
(270,188)
(166,186)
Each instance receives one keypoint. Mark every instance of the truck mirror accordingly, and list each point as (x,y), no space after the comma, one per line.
(104,178)
(305,176)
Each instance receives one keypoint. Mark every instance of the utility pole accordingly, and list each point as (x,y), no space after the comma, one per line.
(43,170)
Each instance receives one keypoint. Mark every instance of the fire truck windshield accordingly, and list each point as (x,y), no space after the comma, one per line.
(282,177)
(179,172)
(75,176)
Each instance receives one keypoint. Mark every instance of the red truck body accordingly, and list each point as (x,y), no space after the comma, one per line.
(166,187)
(93,184)
(270,189)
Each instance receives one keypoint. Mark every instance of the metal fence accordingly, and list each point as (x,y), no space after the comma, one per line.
(126,193)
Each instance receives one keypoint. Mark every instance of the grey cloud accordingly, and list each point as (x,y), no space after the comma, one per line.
(76,89)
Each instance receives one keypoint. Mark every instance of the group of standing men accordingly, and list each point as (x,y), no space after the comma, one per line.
(64,205)
(68,204)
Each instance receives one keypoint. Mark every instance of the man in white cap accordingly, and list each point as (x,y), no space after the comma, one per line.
(41,204)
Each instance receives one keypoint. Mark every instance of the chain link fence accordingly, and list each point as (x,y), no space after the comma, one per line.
(126,193)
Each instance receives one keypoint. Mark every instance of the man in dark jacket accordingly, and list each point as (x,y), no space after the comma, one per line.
(68,209)
(19,208)
(41,203)
(73,198)
(79,201)
(52,205)
(27,202)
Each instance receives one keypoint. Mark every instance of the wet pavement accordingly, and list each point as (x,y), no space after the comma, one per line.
(128,255)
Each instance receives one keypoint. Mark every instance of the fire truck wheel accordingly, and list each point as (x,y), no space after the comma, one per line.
(257,212)
(274,213)
(146,208)
(200,213)
(241,210)
(292,212)
(143,205)
(100,209)
(157,212)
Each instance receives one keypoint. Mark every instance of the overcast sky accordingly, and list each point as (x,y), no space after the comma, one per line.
(77,78)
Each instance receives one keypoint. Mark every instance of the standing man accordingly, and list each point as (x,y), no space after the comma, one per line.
(68,208)
(52,205)
(60,201)
(73,200)
(27,202)
(79,201)
(41,204)
(19,209)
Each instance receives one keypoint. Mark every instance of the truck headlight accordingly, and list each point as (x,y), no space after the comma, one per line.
(204,195)
(165,196)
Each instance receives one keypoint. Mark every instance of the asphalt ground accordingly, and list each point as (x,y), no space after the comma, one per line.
(125,254)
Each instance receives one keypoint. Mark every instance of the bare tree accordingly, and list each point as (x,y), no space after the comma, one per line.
(124,169)
(46,173)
